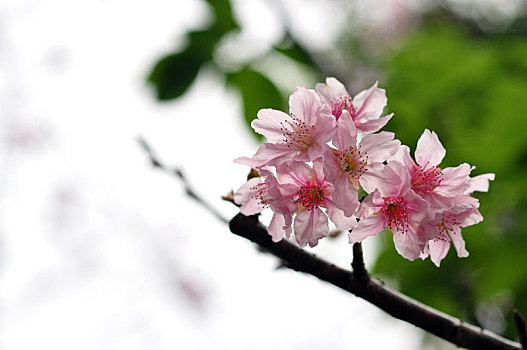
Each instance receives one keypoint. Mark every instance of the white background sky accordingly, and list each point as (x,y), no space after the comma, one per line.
(100,251)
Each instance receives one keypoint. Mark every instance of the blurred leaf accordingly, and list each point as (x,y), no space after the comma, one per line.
(224,20)
(257,92)
(173,74)
(291,49)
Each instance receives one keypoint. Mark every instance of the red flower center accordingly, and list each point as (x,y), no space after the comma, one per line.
(424,181)
(343,103)
(395,213)
(312,195)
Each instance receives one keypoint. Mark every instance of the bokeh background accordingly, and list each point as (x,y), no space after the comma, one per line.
(100,250)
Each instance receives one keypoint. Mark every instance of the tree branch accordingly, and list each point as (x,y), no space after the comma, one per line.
(522,329)
(394,303)
(178,173)
(357,282)
(359,269)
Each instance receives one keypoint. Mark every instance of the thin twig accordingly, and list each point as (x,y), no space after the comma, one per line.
(178,173)
(522,329)
(374,291)
(359,269)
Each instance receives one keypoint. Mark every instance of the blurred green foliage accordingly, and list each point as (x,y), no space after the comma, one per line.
(473,92)
(255,89)
(468,86)
(175,73)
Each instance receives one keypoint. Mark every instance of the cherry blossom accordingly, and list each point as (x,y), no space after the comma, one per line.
(296,137)
(353,163)
(428,180)
(448,224)
(253,195)
(365,108)
(395,206)
(318,157)
(304,191)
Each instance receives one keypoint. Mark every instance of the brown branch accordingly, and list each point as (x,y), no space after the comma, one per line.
(178,173)
(357,282)
(520,326)
(394,303)
(359,269)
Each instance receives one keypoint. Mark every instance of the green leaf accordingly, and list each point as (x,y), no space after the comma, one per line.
(257,92)
(291,49)
(173,74)
(224,20)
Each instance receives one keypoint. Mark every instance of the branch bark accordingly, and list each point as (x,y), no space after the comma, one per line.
(522,329)
(374,291)
(178,173)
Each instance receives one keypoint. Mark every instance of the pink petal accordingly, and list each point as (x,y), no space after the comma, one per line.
(305,105)
(419,212)
(297,173)
(337,216)
(370,205)
(480,183)
(379,147)
(369,104)
(244,160)
(403,156)
(392,181)
(469,216)
(367,227)
(288,225)
(331,164)
(312,153)
(274,154)
(439,248)
(270,123)
(279,198)
(245,196)
(318,169)
(310,226)
(455,181)
(459,243)
(429,151)
(373,125)
(276,227)
(407,245)
(325,124)
(345,195)
(373,178)
(346,132)
(332,90)
(437,201)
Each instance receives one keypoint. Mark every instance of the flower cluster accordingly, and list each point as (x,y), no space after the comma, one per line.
(318,157)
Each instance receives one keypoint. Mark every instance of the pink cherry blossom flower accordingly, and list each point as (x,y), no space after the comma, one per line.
(395,206)
(304,191)
(448,223)
(253,195)
(438,186)
(355,162)
(365,108)
(447,226)
(299,137)
(261,192)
